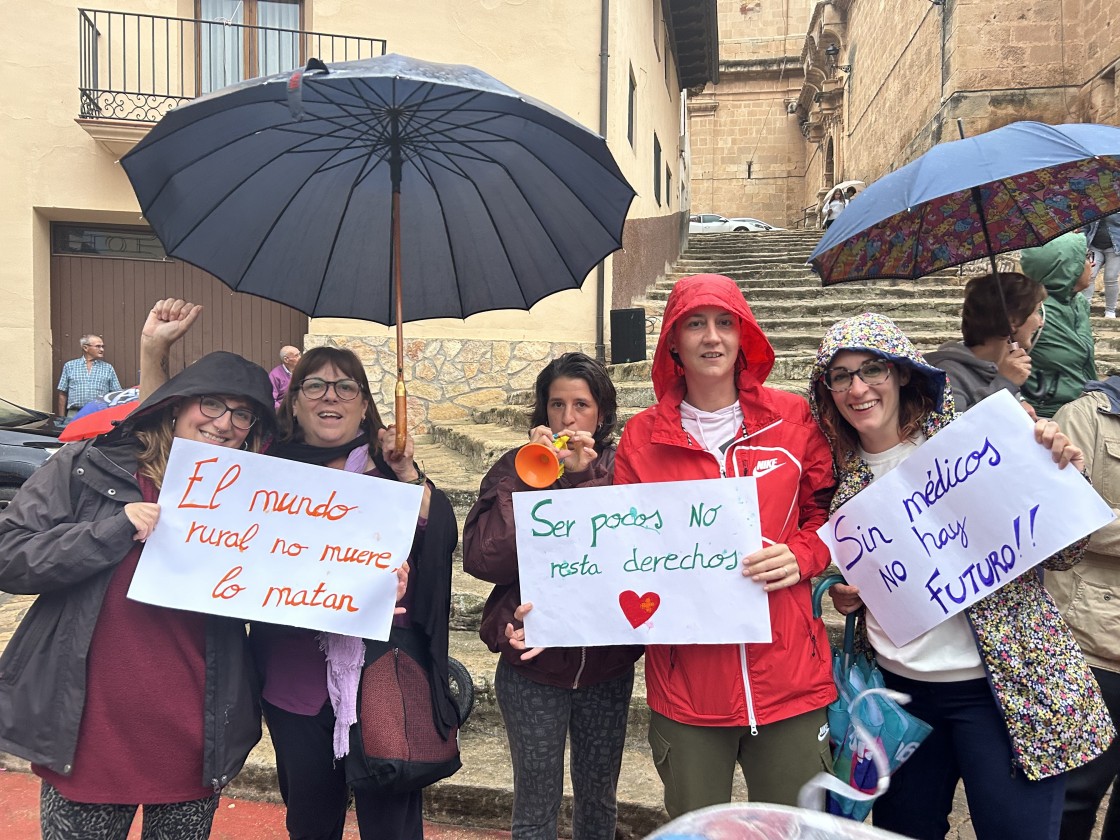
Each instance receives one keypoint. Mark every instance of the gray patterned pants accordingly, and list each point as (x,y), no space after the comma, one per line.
(63,819)
(539,718)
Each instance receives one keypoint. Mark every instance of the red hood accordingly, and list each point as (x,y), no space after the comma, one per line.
(755,352)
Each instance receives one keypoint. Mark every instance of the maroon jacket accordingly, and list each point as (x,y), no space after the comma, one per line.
(490,554)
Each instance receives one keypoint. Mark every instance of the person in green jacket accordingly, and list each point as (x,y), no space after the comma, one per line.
(1062,357)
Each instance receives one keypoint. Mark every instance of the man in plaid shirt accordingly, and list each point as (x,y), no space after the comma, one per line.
(86,378)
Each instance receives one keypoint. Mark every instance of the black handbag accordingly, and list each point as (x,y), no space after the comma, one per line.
(396,745)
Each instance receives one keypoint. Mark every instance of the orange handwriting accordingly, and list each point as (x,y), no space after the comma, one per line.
(221,537)
(273,501)
(282,546)
(288,597)
(229,590)
(349,554)
(226,481)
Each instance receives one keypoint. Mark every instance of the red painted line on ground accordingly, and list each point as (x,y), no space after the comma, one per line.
(237,819)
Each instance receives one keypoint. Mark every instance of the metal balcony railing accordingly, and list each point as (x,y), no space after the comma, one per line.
(137,67)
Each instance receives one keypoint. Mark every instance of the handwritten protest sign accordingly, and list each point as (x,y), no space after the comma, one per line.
(259,538)
(641,564)
(972,508)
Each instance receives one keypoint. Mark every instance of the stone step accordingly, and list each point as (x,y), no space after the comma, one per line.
(787,289)
(480,443)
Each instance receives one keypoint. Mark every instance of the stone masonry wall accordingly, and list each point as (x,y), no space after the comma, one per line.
(916,68)
(446,378)
(760,41)
(747,149)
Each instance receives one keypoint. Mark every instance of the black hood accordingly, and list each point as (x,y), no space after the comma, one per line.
(220,373)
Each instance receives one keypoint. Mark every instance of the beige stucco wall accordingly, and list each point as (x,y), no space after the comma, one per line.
(54,170)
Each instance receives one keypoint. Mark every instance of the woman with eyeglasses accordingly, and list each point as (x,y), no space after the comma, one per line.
(310,679)
(120,704)
(328,418)
(1008,693)
(1001,317)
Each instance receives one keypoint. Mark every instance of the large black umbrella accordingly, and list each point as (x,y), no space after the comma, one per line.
(388,189)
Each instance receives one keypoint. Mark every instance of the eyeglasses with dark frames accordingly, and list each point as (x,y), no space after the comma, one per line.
(872,372)
(214,408)
(315,388)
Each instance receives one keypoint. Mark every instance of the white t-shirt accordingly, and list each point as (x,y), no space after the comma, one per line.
(713,430)
(948,652)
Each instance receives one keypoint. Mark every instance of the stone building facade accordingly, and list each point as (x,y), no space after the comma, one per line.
(811,94)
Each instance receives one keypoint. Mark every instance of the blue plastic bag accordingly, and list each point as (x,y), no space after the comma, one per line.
(892,729)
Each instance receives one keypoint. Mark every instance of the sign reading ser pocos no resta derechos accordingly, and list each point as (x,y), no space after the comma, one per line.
(641,564)
(259,538)
(972,508)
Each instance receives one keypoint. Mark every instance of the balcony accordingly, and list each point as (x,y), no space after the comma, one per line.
(135,68)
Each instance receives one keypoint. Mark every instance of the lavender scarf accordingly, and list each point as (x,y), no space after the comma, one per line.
(345,655)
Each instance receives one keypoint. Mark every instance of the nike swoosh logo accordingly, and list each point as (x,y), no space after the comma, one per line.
(823,733)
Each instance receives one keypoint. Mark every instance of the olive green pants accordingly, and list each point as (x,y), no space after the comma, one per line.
(697,763)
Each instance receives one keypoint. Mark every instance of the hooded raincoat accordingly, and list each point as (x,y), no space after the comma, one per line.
(1062,356)
(780,445)
(1042,685)
(62,538)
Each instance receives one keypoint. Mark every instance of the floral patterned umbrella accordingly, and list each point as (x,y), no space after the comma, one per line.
(1015,187)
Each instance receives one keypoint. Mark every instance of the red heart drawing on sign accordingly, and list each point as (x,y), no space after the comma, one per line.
(638,609)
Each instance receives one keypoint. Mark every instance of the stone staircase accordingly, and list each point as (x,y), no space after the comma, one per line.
(793,310)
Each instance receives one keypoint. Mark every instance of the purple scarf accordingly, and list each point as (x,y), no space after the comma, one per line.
(345,655)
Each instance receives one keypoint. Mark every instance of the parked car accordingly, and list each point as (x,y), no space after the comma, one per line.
(28,438)
(741,224)
(713,223)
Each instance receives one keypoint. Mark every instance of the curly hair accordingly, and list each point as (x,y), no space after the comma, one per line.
(583,367)
(351,367)
(914,404)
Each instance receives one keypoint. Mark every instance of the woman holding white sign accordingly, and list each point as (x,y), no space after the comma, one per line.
(759,705)
(119,703)
(583,692)
(311,680)
(1009,696)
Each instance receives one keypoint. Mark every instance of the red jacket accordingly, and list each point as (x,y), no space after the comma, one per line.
(782,447)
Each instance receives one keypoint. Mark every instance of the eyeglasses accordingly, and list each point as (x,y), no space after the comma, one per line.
(214,408)
(872,372)
(345,389)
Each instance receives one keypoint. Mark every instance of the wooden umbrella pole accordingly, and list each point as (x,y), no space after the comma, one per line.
(401,419)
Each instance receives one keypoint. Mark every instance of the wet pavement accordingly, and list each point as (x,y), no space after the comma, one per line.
(237,819)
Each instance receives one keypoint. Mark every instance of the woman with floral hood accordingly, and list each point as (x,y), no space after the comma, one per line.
(759,705)
(1003,684)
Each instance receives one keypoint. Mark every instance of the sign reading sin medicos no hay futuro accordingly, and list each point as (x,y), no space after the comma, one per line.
(259,538)
(641,564)
(974,507)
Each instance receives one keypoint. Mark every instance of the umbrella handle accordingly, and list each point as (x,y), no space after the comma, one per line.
(822,586)
(401,412)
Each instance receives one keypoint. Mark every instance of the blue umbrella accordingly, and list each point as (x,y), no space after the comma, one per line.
(1015,187)
(388,189)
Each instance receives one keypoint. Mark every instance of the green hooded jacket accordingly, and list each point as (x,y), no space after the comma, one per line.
(1062,357)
